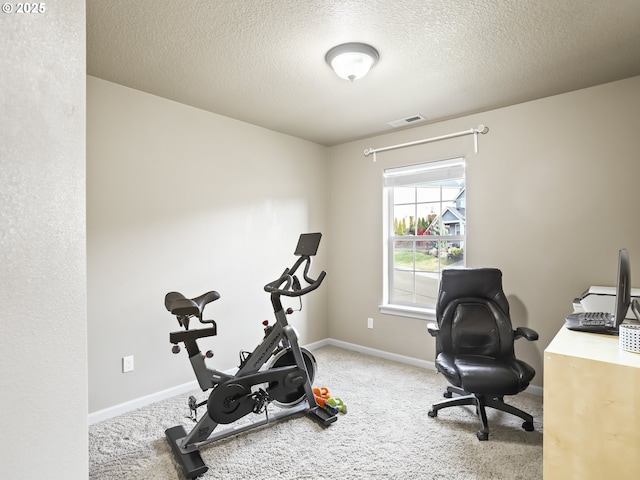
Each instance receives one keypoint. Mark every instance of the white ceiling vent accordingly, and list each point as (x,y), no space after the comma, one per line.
(407,121)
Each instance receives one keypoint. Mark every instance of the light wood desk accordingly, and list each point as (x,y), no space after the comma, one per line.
(591,409)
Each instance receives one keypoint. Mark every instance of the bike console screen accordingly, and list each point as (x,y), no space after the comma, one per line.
(288,284)
(308,244)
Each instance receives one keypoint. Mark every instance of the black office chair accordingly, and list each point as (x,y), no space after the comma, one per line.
(474,344)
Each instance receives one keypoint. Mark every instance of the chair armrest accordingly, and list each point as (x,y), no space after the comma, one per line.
(525,332)
(433,329)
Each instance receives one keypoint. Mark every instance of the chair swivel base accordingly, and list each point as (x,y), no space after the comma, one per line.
(480,402)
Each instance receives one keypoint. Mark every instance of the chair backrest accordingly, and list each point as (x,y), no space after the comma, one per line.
(473,313)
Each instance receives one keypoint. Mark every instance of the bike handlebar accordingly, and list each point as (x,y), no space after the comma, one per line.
(287,278)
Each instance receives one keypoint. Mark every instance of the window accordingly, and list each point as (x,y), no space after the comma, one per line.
(425,209)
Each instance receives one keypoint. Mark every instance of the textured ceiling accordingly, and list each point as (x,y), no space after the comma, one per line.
(262,61)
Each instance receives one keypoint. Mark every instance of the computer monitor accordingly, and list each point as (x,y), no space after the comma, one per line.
(623,288)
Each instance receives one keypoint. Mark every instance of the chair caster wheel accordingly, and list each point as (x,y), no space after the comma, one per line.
(528,426)
(432,413)
(447,394)
(482,436)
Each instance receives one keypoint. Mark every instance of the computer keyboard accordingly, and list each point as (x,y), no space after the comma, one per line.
(595,318)
(595,322)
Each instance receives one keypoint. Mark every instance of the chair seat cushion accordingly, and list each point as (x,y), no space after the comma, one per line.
(485,375)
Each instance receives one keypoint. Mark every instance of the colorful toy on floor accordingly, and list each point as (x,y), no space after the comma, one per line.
(329,403)
(338,403)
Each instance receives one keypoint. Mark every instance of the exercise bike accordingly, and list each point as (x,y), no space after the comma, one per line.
(278,371)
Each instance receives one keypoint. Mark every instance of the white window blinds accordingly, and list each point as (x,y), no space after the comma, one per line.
(425,172)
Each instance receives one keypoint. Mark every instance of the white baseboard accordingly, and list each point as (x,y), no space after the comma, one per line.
(416,362)
(131,405)
(319,344)
(533,389)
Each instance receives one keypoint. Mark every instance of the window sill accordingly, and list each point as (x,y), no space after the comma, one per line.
(407,311)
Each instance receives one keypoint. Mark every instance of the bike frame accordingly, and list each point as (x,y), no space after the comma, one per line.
(281,335)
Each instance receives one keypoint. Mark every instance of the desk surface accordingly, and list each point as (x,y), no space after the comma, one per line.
(591,414)
(593,346)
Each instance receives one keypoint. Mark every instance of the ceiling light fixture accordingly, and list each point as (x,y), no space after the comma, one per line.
(352,60)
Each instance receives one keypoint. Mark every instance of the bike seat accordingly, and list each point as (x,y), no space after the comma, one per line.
(182,306)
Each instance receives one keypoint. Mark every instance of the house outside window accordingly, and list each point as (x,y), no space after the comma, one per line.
(425,216)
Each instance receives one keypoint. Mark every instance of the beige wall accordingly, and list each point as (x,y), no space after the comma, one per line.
(177,199)
(551,196)
(182,199)
(43,357)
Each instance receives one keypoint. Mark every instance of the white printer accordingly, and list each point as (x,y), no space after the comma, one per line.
(602,299)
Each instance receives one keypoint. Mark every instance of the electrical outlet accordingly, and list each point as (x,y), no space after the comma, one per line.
(127,364)
(369,322)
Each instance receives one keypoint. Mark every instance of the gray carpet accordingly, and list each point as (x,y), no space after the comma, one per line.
(386,434)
